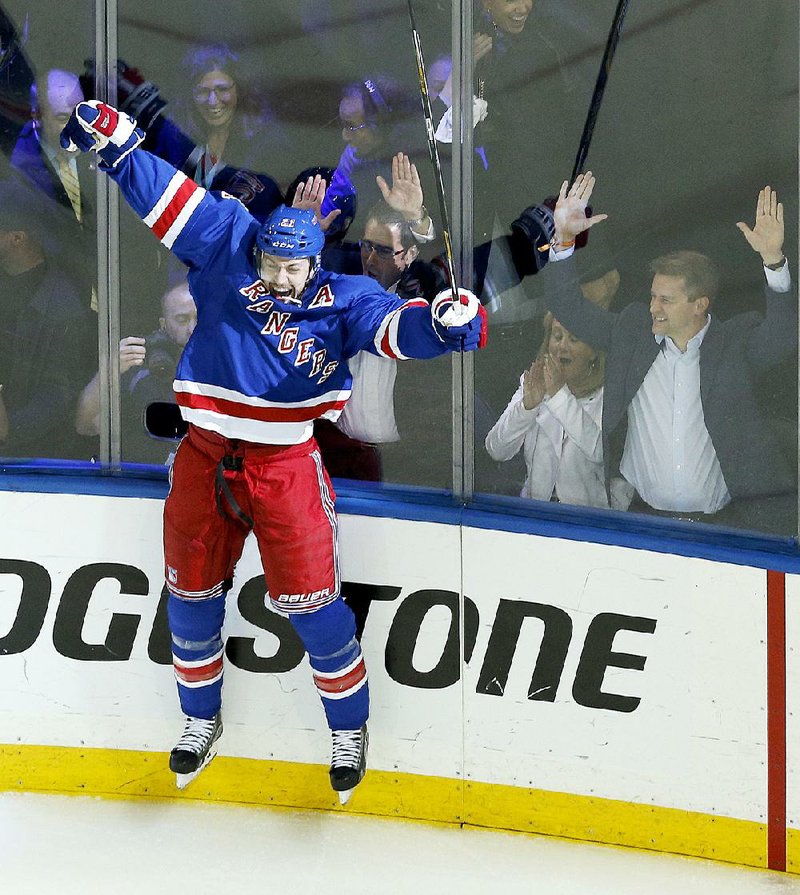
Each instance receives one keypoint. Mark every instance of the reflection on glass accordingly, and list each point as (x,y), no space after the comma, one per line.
(703,427)
(48,321)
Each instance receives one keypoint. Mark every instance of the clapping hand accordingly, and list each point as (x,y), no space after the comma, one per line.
(767,234)
(533,387)
(543,377)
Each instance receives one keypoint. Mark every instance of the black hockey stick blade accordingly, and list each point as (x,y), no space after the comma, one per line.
(600,87)
(163,421)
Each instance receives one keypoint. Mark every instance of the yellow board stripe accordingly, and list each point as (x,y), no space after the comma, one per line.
(129,774)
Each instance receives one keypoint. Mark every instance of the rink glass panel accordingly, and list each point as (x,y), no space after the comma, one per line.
(680,150)
(683,142)
(49,256)
(291,69)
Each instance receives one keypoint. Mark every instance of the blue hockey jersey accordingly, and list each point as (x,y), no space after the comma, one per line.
(257,368)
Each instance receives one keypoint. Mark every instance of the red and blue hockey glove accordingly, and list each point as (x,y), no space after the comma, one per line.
(97,126)
(460,324)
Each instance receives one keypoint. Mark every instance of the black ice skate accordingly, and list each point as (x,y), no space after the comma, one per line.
(195,749)
(349,761)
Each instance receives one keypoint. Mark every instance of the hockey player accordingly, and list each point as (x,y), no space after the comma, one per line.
(268,356)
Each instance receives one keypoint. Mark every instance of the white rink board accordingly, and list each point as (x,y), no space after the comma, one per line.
(48,699)
(697,739)
(700,725)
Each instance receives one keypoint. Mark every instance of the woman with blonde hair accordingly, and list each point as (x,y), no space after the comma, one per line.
(555,417)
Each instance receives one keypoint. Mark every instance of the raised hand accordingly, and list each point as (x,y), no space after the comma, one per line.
(405,194)
(766,236)
(309,194)
(570,212)
(96,126)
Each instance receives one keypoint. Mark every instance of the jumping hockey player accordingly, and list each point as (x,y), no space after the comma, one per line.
(268,356)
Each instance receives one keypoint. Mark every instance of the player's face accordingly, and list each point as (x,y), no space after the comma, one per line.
(215,98)
(573,356)
(356,130)
(509,15)
(382,254)
(674,313)
(180,315)
(61,94)
(285,278)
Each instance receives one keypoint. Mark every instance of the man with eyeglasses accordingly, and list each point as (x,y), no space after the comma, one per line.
(269,355)
(389,254)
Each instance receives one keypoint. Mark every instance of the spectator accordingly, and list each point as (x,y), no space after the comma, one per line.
(380,118)
(388,254)
(681,421)
(555,418)
(230,124)
(47,337)
(147,370)
(527,113)
(152,380)
(215,123)
(66,182)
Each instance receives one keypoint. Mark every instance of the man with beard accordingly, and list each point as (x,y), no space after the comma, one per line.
(268,356)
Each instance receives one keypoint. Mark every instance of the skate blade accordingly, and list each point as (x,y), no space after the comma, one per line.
(344,796)
(183,780)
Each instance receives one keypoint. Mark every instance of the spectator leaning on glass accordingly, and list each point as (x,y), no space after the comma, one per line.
(682,422)
(268,355)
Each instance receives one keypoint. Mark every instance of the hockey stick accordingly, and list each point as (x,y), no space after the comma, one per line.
(433,150)
(599,87)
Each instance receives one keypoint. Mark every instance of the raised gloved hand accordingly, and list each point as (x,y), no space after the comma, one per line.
(97,126)
(459,322)
(537,227)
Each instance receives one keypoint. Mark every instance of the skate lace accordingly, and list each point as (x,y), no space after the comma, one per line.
(196,735)
(346,748)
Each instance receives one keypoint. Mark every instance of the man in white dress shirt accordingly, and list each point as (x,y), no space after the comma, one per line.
(389,253)
(682,421)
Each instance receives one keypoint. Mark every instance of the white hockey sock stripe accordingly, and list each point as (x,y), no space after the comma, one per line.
(200,672)
(344,683)
(207,594)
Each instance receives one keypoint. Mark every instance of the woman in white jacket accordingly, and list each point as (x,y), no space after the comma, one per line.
(555,417)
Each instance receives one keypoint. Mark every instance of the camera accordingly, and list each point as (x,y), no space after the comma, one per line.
(161,353)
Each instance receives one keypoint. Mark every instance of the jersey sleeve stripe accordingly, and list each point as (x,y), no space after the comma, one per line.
(179,192)
(386,337)
(181,220)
